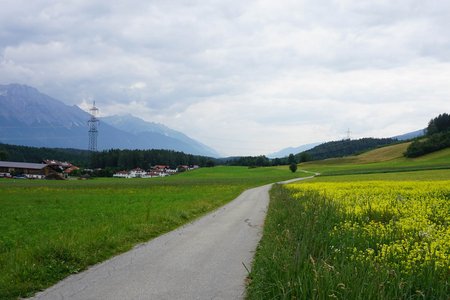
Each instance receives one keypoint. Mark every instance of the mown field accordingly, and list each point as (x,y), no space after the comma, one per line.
(358,236)
(50,229)
(383,160)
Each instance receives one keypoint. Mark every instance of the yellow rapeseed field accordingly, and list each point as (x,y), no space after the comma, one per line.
(404,226)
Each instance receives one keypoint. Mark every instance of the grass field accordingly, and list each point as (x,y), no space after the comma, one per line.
(370,234)
(382,160)
(50,229)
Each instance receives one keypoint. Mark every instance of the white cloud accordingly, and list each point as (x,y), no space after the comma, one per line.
(246,77)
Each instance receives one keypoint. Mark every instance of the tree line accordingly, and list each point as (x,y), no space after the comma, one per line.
(114,159)
(342,148)
(437,137)
(130,159)
(37,154)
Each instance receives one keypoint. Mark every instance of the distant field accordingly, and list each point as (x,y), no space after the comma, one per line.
(382,160)
(50,229)
(357,237)
(429,175)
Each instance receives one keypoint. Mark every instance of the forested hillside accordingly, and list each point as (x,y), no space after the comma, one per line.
(342,148)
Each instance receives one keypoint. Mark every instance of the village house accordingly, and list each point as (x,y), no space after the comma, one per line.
(156,171)
(134,173)
(161,167)
(61,167)
(121,174)
(137,173)
(182,168)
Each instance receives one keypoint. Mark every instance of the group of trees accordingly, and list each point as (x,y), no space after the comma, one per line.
(129,159)
(35,155)
(111,159)
(437,137)
(249,161)
(263,161)
(3,154)
(439,124)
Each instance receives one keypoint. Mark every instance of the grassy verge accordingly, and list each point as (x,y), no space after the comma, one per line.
(356,240)
(50,229)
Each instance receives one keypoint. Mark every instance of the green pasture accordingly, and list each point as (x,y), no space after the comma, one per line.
(439,174)
(50,229)
(384,160)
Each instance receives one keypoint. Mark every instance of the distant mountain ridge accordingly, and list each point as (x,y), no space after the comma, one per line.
(144,130)
(410,135)
(292,150)
(31,118)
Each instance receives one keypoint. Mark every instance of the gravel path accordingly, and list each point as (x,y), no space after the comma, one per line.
(206,259)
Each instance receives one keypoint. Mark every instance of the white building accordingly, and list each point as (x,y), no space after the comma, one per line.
(137,173)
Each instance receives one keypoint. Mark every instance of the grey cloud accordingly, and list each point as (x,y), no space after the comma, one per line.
(258,58)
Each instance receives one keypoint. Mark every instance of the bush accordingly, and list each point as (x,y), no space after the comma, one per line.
(293,167)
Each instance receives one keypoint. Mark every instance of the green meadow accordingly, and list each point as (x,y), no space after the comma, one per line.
(383,160)
(373,226)
(50,229)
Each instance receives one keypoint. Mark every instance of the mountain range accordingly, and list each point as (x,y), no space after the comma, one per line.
(31,118)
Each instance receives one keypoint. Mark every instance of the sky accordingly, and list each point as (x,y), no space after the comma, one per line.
(243,77)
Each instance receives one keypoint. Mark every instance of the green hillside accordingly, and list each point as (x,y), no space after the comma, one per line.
(343,148)
(381,160)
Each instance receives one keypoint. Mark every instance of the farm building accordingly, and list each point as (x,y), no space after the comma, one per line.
(64,167)
(29,170)
(36,171)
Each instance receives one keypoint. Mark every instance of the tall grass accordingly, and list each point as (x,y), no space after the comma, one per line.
(50,229)
(315,247)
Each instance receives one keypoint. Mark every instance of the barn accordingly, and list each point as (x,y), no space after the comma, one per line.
(29,170)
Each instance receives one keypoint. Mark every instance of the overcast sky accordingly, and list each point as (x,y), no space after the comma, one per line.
(244,77)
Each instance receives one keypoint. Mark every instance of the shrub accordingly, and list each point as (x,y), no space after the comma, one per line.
(293,167)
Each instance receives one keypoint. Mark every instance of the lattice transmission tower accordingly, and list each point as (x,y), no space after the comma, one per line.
(93,128)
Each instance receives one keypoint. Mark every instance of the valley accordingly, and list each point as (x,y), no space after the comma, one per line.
(322,236)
